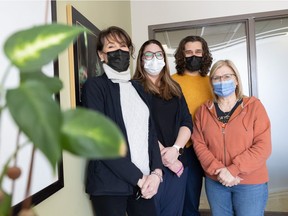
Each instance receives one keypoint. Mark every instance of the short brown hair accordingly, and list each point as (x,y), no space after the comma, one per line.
(115,33)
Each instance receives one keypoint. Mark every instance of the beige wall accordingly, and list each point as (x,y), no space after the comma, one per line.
(72,200)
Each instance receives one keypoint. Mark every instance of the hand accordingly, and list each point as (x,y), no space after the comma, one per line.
(141,181)
(150,186)
(169,156)
(177,168)
(236,181)
(226,178)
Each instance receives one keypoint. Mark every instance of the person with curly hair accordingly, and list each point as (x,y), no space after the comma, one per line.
(193,60)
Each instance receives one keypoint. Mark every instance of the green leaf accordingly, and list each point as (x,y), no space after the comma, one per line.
(53,84)
(90,134)
(5,204)
(32,48)
(38,116)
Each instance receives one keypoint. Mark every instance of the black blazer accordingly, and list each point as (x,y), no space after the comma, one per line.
(116,176)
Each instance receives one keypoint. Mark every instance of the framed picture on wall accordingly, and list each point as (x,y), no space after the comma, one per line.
(83,59)
(45,181)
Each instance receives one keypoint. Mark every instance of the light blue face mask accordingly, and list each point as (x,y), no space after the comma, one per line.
(225,88)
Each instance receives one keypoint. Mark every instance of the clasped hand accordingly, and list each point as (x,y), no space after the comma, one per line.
(226,178)
(169,156)
(170,160)
(149,185)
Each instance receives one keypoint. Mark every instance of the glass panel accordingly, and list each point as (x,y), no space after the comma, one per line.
(271,47)
(226,41)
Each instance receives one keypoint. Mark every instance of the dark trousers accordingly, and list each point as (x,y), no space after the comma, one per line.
(120,205)
(194,184)
(170,196)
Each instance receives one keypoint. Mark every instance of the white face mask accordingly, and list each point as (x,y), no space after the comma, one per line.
(154,66)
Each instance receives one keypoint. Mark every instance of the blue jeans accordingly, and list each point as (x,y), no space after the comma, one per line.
(240,200)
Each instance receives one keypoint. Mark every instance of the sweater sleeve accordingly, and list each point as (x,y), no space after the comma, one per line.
(257,154)
(93,97)
(155,155)
(186,118)
(208,161)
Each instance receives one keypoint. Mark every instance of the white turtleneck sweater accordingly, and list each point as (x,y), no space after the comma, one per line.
(136,118)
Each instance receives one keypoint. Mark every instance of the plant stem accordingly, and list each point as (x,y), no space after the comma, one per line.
(27,202)
(5,76)
(15,160)
(2,174)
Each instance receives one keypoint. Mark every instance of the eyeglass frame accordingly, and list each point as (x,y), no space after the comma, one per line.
(153,54)
(219,78)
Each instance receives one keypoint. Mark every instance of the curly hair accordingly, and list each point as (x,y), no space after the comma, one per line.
(180,55)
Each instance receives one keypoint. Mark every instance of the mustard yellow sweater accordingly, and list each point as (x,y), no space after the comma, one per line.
(196,90)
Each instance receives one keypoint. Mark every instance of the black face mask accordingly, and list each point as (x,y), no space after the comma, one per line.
(119,60)
(193,63)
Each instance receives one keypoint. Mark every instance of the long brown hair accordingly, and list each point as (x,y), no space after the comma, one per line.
(180,55)
(164,86)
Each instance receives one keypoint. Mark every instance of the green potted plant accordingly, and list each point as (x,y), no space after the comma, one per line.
(79,131)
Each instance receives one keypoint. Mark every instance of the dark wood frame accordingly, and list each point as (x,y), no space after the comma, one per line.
(80,52)
(58,184)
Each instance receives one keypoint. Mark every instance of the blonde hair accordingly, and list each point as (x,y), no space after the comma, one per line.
(230,64)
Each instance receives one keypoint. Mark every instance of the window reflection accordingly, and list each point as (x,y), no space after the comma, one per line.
(226,41)
(271,48)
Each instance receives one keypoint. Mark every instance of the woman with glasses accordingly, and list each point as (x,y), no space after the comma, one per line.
(232,139)
(173,124)
(122,185)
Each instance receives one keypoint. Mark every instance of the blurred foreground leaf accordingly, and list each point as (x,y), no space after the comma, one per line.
(91,135)
(32,48)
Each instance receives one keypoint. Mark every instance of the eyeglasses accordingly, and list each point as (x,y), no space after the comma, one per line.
(225,77)
(149,55)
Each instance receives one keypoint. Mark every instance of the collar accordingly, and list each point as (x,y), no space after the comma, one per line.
(115,76)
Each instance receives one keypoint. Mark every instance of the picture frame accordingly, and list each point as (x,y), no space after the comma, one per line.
(50,181)
(83,59)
